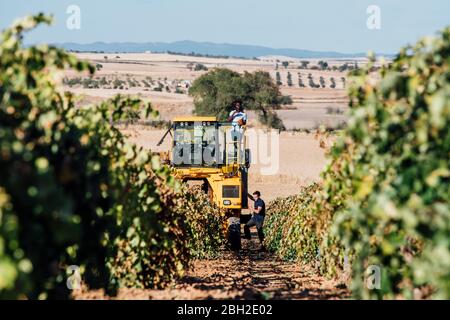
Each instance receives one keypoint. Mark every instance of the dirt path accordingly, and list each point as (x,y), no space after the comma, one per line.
(250,274)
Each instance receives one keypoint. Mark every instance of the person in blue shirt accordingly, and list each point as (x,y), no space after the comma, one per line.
(257,219)
(238,116)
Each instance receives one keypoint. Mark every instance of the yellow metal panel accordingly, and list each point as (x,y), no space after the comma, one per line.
(194,119)
(216,182)
(228,174)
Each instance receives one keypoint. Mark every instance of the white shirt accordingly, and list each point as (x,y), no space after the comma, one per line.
(238,116)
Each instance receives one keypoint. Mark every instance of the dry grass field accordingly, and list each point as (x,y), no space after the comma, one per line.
(164,80)
(301,158)
(143,73)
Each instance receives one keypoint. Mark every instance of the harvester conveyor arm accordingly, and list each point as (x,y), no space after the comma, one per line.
(164,137)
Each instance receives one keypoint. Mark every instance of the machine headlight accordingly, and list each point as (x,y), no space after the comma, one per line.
(226,202)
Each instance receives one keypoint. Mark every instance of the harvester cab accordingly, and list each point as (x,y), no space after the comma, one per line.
(215,153)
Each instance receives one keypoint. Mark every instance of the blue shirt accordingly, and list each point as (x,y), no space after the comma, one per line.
(260,203)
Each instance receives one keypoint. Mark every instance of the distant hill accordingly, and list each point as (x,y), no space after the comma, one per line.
(204,48)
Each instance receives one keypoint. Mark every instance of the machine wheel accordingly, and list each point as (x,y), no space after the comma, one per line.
(234,234)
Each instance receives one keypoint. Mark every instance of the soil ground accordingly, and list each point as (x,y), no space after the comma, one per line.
(251,274)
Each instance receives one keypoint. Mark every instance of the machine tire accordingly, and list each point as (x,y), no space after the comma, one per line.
(234,236)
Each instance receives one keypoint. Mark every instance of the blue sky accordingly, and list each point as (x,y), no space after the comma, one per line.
(313,24)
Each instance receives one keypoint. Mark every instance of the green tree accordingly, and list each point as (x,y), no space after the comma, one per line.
(289,79)
(343,67)
(286,100)
(323,65)
(278,78)
(312,84)
(264,96)
(322,81)
(343,82)
(333,83)
(304,64)
(300,81)
(215,91)
(200,67)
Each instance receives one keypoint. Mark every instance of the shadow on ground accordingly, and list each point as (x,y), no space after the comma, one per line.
(250,274)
